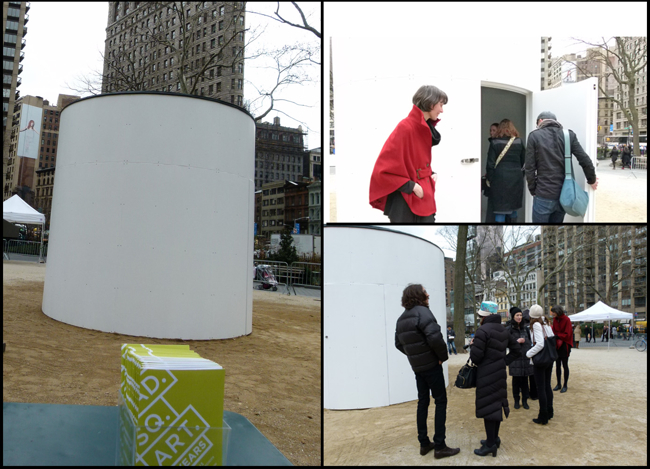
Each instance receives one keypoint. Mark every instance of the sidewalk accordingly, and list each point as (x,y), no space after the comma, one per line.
(622,194)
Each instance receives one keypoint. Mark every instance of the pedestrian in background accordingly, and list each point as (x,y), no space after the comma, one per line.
(545,168)
(626,158)
(564,332)
(540,327)
(488,352)
(450,340)
(520,369)
(605,333)
(614,155)
(418,336)
(577,335)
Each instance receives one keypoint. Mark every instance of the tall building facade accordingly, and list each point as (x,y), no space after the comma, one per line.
(279,154)
(583,264)
(545,79)
(14,21)
(192,47)
(33,146)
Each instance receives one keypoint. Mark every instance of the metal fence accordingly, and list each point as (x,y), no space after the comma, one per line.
(639,162)
(298,274)
(26,248)
(306,274)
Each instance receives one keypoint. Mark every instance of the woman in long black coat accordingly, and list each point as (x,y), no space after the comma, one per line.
(520,369)
(488,352)
(506,179)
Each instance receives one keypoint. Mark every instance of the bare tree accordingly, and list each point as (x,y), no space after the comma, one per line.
(279,18)
(459,288)
(625,62)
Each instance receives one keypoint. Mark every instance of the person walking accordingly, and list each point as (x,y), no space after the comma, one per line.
(418,336)
(626,158)
(564,332)
(450,340)
(506,158)
(540,328)
(403,183)
(545,168)
(605,333)
(614,155)
(488,352)
(520,369)
(577,335)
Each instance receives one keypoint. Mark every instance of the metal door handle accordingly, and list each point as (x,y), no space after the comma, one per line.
(469,160)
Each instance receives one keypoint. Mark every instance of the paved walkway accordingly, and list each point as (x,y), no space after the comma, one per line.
(622,194)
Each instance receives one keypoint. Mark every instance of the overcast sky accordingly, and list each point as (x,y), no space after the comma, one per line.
(65,40)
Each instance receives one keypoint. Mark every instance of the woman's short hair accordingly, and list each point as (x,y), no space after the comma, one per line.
(428,96)
(506,129)
(413,296)
(558,310)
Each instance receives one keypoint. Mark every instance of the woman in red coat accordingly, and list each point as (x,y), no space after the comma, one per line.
(403,183)
(564,333)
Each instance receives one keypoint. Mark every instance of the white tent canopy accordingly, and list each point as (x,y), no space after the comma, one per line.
(600,312)
(16,210)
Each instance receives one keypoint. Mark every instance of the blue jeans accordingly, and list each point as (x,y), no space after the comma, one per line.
(547,211)
(451,344)
(431,381)
(501,217)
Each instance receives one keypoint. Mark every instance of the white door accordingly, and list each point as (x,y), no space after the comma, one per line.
(576,108)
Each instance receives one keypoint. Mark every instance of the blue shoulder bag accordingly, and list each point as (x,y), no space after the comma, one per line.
(573,198)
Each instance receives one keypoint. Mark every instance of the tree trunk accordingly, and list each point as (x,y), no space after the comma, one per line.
(459,288)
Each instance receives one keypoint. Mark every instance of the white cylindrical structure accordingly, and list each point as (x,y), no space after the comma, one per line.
(152,217)
(366,271)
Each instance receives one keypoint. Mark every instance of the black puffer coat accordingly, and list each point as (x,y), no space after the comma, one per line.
(488,351)
(507,178)
(521,366)
(418,336)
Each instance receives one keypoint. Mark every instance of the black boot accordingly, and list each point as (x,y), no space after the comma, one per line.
(524,402)
(564,388)
(557,388)
(517,403)
(484,451)
(483,442)
(549,412)
(542,418)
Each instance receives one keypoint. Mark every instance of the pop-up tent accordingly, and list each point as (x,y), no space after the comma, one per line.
(600,312)
(16,210)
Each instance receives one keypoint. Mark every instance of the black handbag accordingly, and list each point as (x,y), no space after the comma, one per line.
(548,355)
(466,378)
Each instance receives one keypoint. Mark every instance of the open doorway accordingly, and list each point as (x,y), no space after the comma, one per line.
(498,104)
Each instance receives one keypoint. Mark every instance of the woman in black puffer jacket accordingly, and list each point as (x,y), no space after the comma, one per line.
(520,369)
(488,351)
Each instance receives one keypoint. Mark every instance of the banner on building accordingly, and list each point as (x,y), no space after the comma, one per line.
(31,119)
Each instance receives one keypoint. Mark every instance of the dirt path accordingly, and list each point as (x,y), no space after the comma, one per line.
(273,376)
(601,420)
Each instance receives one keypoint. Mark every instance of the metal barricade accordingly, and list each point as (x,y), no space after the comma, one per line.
(306,274)
(4,250)
(27,248)
(639,162)
(280,272)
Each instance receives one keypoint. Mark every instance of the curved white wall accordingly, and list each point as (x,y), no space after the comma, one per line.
(152,217)
(365,274)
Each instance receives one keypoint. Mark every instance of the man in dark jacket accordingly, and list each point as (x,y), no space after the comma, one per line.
(418,336)
(545,170)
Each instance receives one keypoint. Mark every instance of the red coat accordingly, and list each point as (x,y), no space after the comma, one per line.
(406,156)
(563,330)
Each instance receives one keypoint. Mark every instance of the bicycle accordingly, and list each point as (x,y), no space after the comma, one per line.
(641,345)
